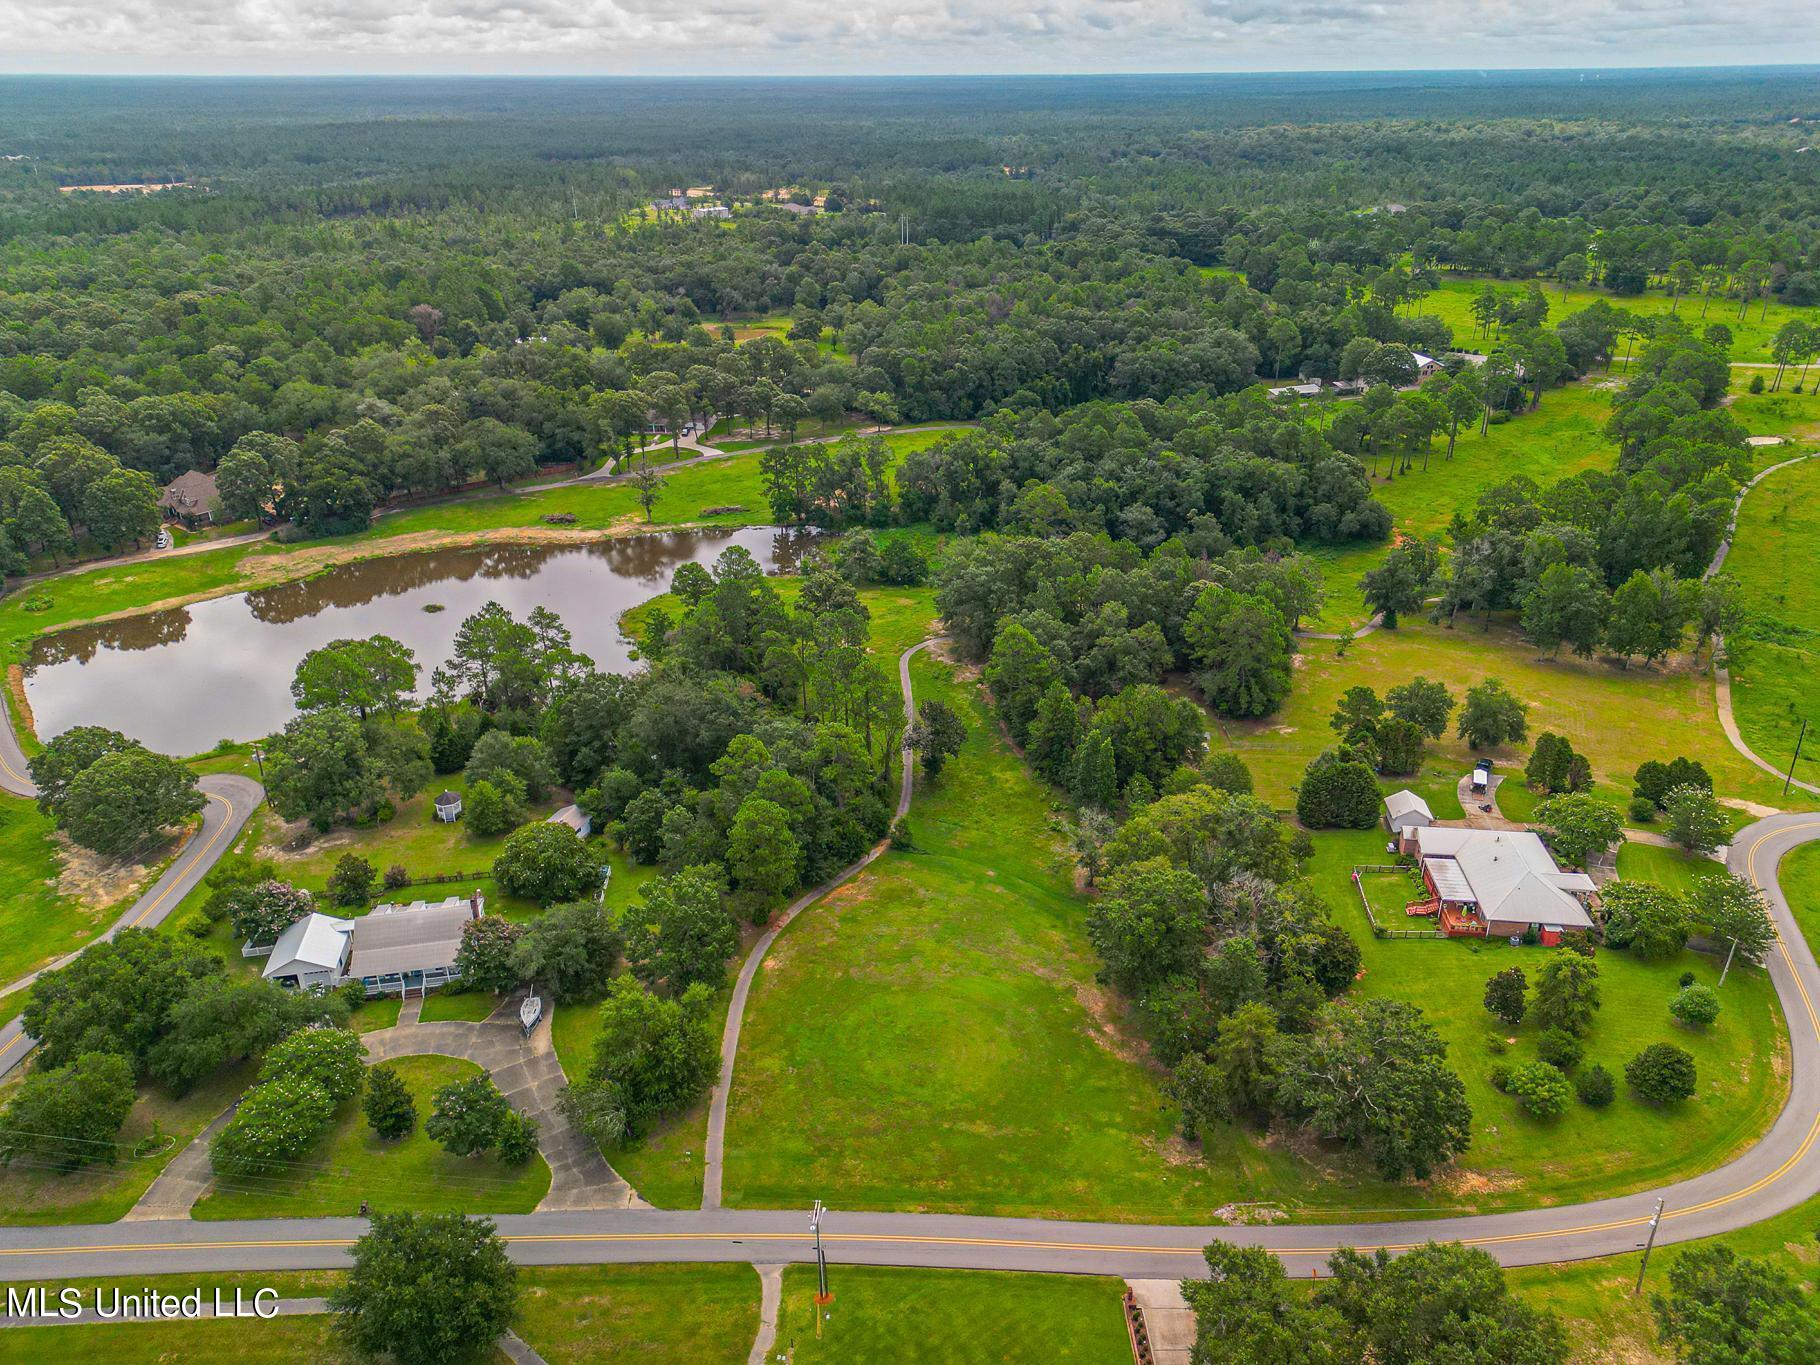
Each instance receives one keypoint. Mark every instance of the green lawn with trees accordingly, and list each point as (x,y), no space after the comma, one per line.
(1753,332)
(1517,1159)
(352,1164)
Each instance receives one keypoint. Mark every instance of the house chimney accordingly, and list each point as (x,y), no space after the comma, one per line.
(474,902)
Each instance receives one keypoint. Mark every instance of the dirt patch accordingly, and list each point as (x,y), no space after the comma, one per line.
(1463,1183)
(1249,1215)
(1756,808)
(94,881)
(23,721)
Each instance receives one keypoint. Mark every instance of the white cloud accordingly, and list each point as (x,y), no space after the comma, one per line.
(658,37)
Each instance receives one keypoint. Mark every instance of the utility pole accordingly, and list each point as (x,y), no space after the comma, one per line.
(1729,954)
(1799,740)
(822,1297)
(259,758)
(1649,1246)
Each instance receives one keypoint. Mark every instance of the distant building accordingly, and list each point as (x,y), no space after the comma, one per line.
(1426,365)
(711,211)
(575,818)
(675,203)
(1309,388)
(190,498)
(448,807)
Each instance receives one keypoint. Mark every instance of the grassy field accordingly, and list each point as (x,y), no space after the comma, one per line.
(37,922)
(413,1173)
(1617,717)
(568,1314)
(412,839)
(470,1006)
(1800,878)
(1451,301)
(952,1317)
(1561,438)
(1516,1159)
(1776,664)
(102,1193)
(205,1343)
(906,1043)
(1605,1322)
(702,1314)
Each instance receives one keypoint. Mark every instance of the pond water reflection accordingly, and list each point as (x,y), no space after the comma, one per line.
(182,679)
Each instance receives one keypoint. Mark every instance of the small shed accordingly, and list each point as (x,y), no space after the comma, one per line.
(1481,776)
(1404,811)
(575,818)
(448,807)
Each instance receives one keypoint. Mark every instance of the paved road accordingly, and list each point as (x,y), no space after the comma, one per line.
(231,800)
(729,1040)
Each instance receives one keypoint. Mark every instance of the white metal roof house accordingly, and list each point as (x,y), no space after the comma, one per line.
(400,949)
(1405,811)
(1500,881)
(310,953)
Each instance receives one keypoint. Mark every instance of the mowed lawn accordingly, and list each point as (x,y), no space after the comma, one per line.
(701,1314)
(1586,1153)
(1616,716)
(352,1164)
(1451,301)
(1775,558)
(953,1317)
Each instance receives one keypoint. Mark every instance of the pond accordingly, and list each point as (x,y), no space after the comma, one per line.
(181,680)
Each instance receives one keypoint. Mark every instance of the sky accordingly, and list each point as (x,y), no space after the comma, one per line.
(857,37)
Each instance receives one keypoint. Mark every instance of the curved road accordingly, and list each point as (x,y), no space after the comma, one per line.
(231,800)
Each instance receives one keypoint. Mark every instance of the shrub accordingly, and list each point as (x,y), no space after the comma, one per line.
(1756,383)
(1641,809)
(1662,1073)
(1596,1087)
(1496,1045)
(390,1110)
(1338,794)
(901,838)
(1686,979)
(351,883)
(1540,1088)
(466,1116)
(396,877)
(1695,1006)
(1561,1049)
(547,863)
(1505,995)
(1650,920)
(1499,1077)
(517,1139)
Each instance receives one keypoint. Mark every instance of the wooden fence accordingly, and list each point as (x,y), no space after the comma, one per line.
(1378,930)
